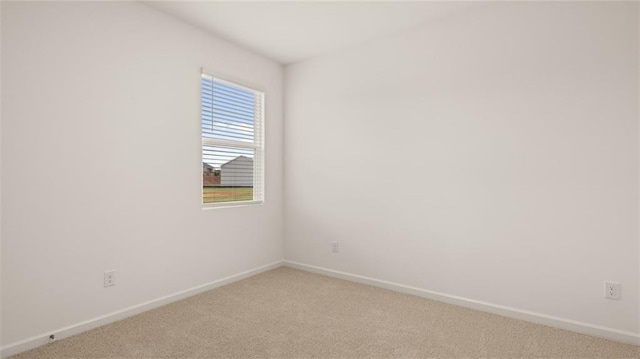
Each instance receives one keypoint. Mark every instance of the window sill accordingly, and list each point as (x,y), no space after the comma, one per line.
(207,206)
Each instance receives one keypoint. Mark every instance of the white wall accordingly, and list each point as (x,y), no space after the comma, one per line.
(492,155)
(0,178)
(101,163)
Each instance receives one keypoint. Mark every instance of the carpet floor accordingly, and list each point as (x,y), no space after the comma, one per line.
(287,313)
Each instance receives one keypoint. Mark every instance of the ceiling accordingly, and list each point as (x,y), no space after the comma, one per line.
(289,32)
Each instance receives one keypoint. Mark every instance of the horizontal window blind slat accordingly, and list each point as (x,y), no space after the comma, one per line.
(227,119)
(232,118)
(233,91)
(232,106)
(210,121)
(228,138)
(219,111)
(223,142)
(211,94)
(217,103)
(209,97)
(223,131)
(223,100)
(224,134)
(240,115)
(230,111)
(239,95)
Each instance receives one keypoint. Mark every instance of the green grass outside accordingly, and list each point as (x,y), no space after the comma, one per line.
(217,194)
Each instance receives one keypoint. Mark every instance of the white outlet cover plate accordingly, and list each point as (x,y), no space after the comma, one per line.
(612,290)
(109,278)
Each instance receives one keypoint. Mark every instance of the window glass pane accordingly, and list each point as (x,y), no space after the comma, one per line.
(232,144)
(227,174)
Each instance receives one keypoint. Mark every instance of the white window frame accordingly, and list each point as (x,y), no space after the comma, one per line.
(257,145)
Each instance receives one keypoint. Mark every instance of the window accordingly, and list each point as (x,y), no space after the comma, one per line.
(232,143)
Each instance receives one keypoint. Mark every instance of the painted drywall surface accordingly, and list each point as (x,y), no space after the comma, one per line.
(101,163)
(0,179)
(492,155)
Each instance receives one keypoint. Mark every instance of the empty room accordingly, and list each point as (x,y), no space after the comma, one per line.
(319,179)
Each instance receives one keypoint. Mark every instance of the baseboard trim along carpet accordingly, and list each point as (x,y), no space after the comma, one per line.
(551,321)
(42,339)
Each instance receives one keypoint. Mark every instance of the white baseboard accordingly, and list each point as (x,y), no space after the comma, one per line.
(561,323)
(39,340)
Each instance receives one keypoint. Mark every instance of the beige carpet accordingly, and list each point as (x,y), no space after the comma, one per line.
(286,313)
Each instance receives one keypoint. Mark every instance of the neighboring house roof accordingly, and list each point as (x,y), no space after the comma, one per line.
(206,166)
(239,158)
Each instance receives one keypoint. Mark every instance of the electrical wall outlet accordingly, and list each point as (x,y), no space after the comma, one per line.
(334,247)
(110,278)
(612,290)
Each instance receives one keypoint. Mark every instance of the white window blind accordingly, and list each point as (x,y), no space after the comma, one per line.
(232,142)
